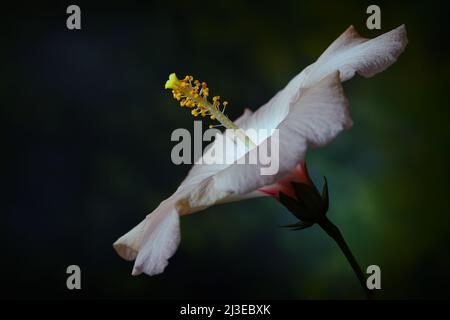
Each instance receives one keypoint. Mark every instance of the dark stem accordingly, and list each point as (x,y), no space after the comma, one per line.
(334,233)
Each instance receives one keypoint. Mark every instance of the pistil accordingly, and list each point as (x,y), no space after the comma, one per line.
(196,97)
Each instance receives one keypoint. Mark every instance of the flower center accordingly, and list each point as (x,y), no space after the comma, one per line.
(194,95)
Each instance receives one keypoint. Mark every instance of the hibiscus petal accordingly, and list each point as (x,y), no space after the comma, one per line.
(349,53)
(127,246)
(318,116)
(160,244)
(153,241)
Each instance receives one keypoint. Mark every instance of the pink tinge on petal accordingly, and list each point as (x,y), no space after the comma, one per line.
(299,174)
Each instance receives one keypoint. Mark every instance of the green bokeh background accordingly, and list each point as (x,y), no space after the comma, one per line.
(88,137)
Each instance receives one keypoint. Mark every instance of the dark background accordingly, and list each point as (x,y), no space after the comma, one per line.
(87,150)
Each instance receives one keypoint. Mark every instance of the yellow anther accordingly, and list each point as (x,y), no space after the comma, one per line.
(211,126)
(213,117)
(177,96)
(225,103)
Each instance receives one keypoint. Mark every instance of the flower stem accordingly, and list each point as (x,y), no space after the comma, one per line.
(333,231)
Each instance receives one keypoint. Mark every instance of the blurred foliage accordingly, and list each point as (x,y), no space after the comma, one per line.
(88,150)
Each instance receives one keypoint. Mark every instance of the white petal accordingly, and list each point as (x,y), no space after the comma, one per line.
(162,242)
(351,53)
(153,241)
(318,116)
(127,246)
(348,54)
